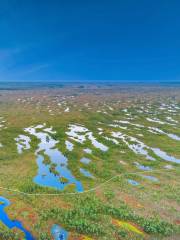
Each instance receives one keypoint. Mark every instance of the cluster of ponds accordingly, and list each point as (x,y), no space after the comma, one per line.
(53,170)
(51,174)
(139,147)
(81,134)
(56,173)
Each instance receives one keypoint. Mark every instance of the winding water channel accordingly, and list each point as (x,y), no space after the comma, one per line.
(12,223)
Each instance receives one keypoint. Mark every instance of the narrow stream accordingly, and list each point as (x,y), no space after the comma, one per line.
(11,223)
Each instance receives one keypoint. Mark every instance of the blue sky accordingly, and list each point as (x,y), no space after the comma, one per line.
(89,40)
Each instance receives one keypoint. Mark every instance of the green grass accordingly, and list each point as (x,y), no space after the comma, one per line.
(151,206)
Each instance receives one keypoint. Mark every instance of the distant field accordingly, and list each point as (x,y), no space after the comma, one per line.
(90,162)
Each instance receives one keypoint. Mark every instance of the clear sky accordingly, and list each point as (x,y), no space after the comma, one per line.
(89,40)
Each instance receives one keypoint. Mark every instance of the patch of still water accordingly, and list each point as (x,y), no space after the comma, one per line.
(59,233)
(47,148)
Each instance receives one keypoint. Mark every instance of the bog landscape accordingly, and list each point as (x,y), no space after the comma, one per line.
(90,162)
(89,120)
